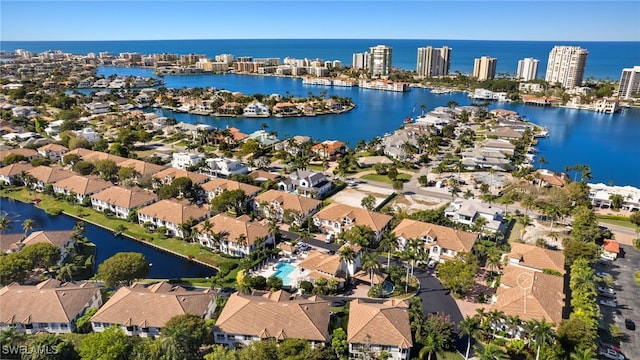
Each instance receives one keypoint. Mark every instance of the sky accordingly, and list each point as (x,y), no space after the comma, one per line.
(27,20)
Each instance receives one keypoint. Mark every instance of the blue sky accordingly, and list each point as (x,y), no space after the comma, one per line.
(304,19)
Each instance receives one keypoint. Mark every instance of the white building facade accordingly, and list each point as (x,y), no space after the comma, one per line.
(527,69)
(629,83)
(566,66)
(433,61)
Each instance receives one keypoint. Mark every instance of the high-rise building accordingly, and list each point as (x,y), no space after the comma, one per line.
(629,83)
(484,68)
(360,61)
(433,61)
(527,69)
(566,66)
(380,60)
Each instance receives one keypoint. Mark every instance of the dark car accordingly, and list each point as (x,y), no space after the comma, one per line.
(629,324)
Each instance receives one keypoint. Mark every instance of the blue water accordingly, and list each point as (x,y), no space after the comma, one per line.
(606,59)
(282,271)
(164,266)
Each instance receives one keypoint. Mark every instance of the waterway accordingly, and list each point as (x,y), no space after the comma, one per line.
(606,142)
(164,265)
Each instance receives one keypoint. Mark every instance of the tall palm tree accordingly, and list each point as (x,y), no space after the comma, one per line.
(528,202)
(207,228)
(66,271)
(429,346)
(493,262)
(541,332)
(493,317)
(347,255)
(370,263)
(241,240)
(469,326)
(489,352)
(388,243)
(27,225)
(5,224)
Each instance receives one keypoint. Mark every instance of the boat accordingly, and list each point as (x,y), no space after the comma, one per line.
(408,120)
(544,132)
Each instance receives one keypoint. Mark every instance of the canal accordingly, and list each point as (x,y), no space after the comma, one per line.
(164,265)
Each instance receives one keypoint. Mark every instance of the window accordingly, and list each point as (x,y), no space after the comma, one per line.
(248,337)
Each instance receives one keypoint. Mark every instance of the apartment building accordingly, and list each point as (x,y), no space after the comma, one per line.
(566,66)
(484,68)
(527,69)
(433,61)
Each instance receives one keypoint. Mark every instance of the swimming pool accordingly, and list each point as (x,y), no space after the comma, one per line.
(282,271)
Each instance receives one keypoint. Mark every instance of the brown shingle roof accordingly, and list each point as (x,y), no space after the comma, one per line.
(52,147)
(123,197)
(46,302)
(232,228)
(57,238)
(318,261)
(289,201)
(537,258)
(223,185)
(48,174)
(336,212)
(15,169)
(275,316)
(448,238)
(142,167)
(173,212)
(20,151)
(152,306)
(82,185)
(379,324)
(544,298)
(173,173)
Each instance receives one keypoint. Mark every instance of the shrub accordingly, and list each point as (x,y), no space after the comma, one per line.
(375,291)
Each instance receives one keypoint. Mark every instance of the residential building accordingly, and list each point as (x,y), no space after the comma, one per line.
(166,176)
(217,186)
(53,152)
(600,196)
(535,258)
(319,264)
(306,183)
(360,61)
(433,61)
(171,214)
(527,69)
(329,149)
(337,218)
(43,175)
(80,187)
(610,249)
(234,236)
(143,310)
(274,315)
(60,239)
(484,68)
(375,327)
(467,211)
(629,87)
(566,66)
(379,61)
(441,242)
(484,158)
(548,178)
(283,206)
(184,160)
(29,154)
(256,109)
(50,306)
(11,173)
(120,201)
(223,167)
(89,134)
(141,167)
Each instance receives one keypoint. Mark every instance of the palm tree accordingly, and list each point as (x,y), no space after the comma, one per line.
(241,240)
(585,354)
(429,346)
(5,224)
(207,227)
(388,243)
(27,225)
(66,271)
(469,326)
(542,332)
(494,316)
(493,262)
(541,161)
(490,352)
(370,263)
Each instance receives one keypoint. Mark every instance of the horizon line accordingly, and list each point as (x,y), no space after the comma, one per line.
(373,38)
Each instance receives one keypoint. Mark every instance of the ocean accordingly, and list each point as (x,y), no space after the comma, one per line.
(605,61)
(606,142)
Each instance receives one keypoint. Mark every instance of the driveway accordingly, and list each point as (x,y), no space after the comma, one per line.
(628,298)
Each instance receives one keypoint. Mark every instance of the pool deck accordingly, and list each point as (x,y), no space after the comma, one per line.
(268,269)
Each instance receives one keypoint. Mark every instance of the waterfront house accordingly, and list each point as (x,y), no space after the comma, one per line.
(274,315)
(263,137)
(224,167)
(548,178)
(504,132)
(504,146)
(166,176)
(29,154)
(43,175)
(171,215)
(285,109)
(184,160)
(143,310)
(306,183)
(441,242)
(11,173)
(60,239)
(256,109)
(600,196)
(217,186)
(483,158)
(50,306)
(375,327)
(234,236)
(274,204)
(120,201)
(337,218)
(80,187)
(53,152)
(466,211)
(330,149)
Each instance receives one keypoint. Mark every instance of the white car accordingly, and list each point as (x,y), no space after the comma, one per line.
(602,274)
(609,303)
(606,290)
(610,354)
(431,264)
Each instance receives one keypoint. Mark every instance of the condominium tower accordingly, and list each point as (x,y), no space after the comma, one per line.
(527,69)
(380,60)
(360,61)
(484,68)
(629,83)
(433,61)
(566,66)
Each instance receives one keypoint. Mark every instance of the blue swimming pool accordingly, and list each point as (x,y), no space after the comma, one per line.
(282,271)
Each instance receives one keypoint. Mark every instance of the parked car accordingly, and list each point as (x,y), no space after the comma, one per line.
(609,346)
(610,354)
(431,264)
(602,274)
(609,303)
(606,290)
(328,239)
(607,257)
(629,324)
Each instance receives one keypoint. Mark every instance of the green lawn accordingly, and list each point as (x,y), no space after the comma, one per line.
(385,179)
(617,222)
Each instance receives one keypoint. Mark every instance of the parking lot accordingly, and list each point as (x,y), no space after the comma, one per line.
(627,297)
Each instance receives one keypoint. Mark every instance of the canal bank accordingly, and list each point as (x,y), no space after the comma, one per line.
(166,264)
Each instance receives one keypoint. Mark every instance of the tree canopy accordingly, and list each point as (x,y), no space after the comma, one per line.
(123,268)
